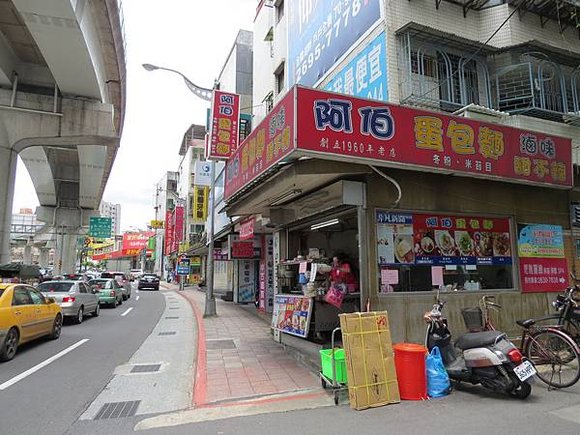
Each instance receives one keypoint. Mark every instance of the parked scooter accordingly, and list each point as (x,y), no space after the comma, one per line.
(487,358)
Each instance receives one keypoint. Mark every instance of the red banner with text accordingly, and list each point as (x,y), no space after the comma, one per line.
(223,140)
(267,144)
(339,125)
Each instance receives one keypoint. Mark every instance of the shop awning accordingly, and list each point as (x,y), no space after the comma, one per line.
(296,180)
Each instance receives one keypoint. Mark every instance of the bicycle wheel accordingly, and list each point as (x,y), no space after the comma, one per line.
(555,356)
(572,328)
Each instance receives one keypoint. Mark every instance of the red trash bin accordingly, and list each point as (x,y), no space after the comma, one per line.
(411,372)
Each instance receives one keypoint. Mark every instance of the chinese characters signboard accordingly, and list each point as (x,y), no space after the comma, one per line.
(270,141)
(168,232)
(247,229)
(363,129)
(438,240)
(292,314)
(183,266)
(341,127)
(243,249)
(202,174)
(136,241)
(156,224)
(200,199)
(322,32)
(247,281)
(543,266)
(100,227)
(177,227)
(223,140)
(366,75)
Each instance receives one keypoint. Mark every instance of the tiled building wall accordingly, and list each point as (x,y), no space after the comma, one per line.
(476,26)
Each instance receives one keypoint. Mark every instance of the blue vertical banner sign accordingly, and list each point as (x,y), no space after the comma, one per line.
(365,76)
(320,32)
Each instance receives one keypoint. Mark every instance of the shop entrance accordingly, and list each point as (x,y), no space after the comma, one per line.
(318,276)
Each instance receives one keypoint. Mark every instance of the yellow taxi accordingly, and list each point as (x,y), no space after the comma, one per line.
(25,314)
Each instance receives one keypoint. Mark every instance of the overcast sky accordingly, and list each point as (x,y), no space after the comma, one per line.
(191,36)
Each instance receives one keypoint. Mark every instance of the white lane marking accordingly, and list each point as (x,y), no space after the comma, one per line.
(127,312)
(137,291)
(37,367)
(137,298)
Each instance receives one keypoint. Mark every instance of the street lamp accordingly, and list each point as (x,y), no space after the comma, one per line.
(205,94)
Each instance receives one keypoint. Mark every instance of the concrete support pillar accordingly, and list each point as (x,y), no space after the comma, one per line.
(43,260)
(82,125)
(69,258)
(66,251)
(28,254)
(7,177)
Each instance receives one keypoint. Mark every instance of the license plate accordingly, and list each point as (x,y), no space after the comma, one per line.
(525,370)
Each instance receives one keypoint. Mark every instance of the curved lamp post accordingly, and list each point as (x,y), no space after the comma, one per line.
(205,94)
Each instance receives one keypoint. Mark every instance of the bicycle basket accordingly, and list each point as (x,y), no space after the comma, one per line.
(473,318)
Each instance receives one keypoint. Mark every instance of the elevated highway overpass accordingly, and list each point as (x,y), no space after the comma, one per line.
(62,103)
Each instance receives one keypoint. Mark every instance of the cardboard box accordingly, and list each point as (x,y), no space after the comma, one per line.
(370,361)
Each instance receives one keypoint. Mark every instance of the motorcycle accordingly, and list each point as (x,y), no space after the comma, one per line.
(487,358)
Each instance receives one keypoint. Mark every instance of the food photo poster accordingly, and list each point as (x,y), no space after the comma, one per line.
(439,240)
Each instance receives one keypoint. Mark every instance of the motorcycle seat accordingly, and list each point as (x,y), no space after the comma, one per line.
(478,339)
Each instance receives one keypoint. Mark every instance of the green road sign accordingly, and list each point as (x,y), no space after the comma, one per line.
(100,227)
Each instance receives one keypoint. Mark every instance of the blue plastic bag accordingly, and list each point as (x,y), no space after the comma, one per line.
(438,384)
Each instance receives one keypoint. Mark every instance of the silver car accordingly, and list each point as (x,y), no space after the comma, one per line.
(75,298)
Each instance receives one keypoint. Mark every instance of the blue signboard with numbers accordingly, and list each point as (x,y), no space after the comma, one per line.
(321,32)
(365,75)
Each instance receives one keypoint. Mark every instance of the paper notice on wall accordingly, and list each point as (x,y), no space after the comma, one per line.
(313,272)
(303,267)
(389,276)
(437,275)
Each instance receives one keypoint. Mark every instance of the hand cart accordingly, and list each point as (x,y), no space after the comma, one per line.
(331,376)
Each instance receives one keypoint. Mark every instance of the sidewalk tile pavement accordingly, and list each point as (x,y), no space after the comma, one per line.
(257,366)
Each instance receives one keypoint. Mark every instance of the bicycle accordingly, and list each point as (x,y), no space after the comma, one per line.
(568,317)
(555,354)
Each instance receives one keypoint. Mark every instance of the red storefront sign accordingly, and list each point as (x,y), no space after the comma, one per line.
(341,127)
(136,241)
(242,249)
(543,274)
(168,232)
(267,144)
(177,227)
(121,253)
(247,229)
(224,125)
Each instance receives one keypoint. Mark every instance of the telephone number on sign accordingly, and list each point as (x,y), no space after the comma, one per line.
(311,54)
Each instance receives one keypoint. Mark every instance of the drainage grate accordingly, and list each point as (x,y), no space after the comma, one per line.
(227,343)
(118,410)
(146,368)
(174,308)
(170,317)
(168,333)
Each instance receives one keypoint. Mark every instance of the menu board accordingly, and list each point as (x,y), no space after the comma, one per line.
(292,314)
(439,240)
(543,265)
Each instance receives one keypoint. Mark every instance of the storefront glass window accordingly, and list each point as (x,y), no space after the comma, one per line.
(422,252)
